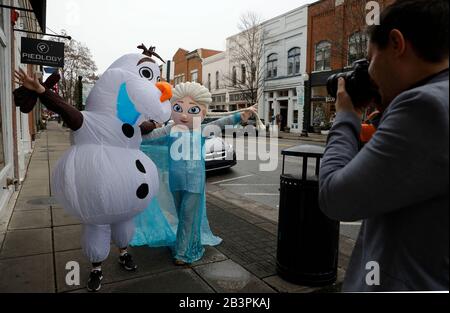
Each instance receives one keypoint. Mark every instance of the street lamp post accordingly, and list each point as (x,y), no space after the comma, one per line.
(80,93)
(306,104)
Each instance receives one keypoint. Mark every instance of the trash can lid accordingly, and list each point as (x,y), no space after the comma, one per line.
(313,151)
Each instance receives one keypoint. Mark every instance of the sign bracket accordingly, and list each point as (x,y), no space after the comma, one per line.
(29,31)
(43,34)
(15,8)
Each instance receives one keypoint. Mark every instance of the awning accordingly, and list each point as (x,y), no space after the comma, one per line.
(40,10)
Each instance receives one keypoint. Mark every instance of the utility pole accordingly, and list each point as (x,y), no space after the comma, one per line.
(306,107)
(168,71)
(80,93)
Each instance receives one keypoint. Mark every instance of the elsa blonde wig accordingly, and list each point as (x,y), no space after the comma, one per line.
(197,92)
(202,96)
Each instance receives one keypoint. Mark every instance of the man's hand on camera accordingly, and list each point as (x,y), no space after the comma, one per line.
(344,102)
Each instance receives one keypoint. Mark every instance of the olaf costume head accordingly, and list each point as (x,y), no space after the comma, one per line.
(104,178)
(130,80)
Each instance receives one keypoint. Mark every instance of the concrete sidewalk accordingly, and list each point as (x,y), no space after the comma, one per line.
(312,137)
(37,240)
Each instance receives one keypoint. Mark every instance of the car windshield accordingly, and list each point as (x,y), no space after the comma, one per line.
(209,120)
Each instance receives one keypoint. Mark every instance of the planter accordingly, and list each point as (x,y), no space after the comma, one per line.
(324,132)
(317,129)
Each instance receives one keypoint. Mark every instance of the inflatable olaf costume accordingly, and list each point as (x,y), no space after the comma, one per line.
(104,179)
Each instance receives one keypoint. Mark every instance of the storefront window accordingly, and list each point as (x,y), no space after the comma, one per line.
(294,61)
(295,117)
(234,76)
(2,16)
(217,80)
(357,47)
(2,151)
(272,64)
(2,81)
(243,74)
(283,93)
(194,76)
(2,102)
(323,56)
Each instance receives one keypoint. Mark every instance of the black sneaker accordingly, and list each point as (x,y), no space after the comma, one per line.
(127,262)
(95,281)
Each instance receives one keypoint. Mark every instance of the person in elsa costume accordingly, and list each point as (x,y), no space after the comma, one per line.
(176,217)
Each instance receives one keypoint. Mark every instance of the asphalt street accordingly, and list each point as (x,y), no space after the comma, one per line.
(250,179)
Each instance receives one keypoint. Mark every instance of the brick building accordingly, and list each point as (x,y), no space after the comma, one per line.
(336,38)
(188,65)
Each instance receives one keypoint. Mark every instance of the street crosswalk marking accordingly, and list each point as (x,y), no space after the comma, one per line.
(231,179)
(239,185)
(262,194)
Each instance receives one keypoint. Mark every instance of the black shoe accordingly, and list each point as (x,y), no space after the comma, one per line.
(127,262)
(95,281)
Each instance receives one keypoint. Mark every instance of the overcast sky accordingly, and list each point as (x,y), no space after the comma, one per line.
(115,27)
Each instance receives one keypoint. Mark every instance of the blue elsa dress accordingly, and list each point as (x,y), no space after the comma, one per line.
(177,216)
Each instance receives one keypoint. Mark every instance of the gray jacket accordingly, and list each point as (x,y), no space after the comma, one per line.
(398,184)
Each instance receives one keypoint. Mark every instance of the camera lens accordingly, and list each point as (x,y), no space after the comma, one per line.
(358,85)
(332,83)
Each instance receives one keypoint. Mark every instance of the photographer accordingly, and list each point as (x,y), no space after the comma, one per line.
(398,184)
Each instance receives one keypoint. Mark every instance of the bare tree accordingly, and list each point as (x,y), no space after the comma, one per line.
(246,75)
(350,40)
(78,62)
(349,36)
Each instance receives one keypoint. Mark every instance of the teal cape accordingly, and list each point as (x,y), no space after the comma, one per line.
(157,225)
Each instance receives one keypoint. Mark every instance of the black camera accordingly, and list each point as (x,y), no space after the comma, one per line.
(358,84)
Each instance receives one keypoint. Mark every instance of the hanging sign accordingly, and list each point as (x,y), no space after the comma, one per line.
(42,52)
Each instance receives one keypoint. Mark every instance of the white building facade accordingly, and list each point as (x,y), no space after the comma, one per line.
(23,133)
(214,70)
(6,114)
(16,129)
(238,51)
(285,46)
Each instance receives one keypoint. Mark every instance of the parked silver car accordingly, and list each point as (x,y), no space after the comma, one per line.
(218,154)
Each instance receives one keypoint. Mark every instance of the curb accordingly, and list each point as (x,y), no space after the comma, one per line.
(304,139)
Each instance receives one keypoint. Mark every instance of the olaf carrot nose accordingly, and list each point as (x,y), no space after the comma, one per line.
(166,90)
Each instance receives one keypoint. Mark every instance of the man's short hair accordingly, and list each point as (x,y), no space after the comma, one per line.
(424,23)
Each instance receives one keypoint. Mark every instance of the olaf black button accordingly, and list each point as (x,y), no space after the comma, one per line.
(142,191)
(140,167)
(128,130)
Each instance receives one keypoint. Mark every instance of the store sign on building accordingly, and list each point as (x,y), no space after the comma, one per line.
(42,52)
(300,96)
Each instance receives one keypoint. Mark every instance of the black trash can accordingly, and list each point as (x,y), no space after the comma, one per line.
(308,241)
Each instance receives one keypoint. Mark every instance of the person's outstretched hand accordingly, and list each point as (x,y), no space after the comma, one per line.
(245,115)
(31,83)
(148,126)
